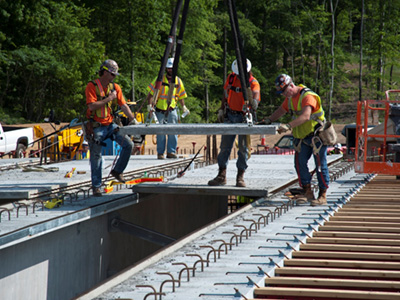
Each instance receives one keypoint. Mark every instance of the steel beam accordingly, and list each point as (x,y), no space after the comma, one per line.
(199,190)
(199,129)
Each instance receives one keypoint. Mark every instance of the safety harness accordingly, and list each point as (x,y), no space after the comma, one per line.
(111,106)
(307,129)
(236,89)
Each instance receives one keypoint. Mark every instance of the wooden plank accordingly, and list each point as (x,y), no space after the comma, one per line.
(325,293)
(338,272)
(329,282)
(376,242)
(377,198)
(352,248)
(349,264)
(361,235)
(383,218)
(363,224)
(380,191)
(346,255)
(367,212)
(369,205)
(359,229)
(378,195)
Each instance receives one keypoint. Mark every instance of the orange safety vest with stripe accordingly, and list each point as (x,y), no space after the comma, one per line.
(300,132)
(107,109)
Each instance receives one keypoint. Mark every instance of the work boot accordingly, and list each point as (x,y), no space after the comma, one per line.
(321,200)
(160,156)
(308,192)
(97,192)
(306,196)
(171,155)
(118,176)
(220,179)
(239,179)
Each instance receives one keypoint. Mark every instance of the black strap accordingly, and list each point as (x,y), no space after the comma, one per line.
(167,84)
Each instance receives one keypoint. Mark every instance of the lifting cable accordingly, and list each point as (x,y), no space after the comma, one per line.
(240,55)
(178,51)
(167,51)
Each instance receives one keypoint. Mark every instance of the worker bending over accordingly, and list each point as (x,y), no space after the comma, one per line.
(307,116)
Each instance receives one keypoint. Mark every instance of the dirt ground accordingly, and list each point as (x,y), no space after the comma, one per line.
(188,143)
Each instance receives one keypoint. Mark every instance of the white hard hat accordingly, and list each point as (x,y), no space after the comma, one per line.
(235,68)
(170,63)
(338,146)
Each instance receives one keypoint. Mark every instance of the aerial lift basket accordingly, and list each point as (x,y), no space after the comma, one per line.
(378,148)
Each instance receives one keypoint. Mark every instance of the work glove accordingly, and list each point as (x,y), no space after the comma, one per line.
(186,111)
(284,128)
(134,122)
(150,108)
(221,116)
(254,104)
(266,121)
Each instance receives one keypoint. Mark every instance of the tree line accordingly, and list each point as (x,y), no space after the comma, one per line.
(345,50)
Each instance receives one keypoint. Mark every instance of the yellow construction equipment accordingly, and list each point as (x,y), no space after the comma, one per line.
(65,144)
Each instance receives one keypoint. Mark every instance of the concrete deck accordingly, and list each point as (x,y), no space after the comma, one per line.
(265,173)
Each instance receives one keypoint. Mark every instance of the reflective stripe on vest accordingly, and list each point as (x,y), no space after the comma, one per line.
(101,94)
(306,128)
(163,95)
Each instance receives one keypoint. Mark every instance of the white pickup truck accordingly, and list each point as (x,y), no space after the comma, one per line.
(15,140)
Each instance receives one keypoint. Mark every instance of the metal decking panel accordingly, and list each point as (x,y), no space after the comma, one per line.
(199,129)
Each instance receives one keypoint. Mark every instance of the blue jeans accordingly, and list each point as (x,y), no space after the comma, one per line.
(320,160)
(102,133)
(172,138)
(227,145)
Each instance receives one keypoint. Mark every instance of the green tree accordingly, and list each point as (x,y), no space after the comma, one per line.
(45,62)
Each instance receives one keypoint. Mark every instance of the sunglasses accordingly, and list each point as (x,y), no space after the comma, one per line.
(284,89)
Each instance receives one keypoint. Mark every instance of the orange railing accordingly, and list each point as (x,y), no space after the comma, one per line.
(373,153)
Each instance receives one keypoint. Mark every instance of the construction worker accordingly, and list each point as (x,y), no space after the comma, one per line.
(166,112)
(231,111)
(307,114)
(103,96)
(337,149)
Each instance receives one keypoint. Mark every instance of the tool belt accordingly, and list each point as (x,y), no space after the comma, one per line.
(164,111)
(234,112)
(327,134)
(96,124)
(236,89)
(88,130)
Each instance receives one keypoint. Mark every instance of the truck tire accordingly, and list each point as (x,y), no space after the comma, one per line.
(20,152)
